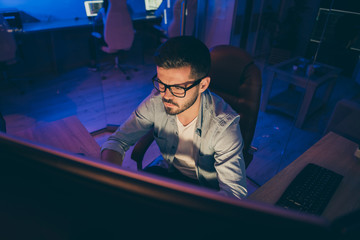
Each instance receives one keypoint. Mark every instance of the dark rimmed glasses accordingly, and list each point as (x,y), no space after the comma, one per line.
(175,90)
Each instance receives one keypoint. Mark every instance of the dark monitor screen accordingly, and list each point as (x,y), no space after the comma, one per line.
(51,194)
(13,20)
(337,24)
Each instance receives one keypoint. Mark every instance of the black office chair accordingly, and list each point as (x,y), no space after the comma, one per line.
(119,35)
(236,78)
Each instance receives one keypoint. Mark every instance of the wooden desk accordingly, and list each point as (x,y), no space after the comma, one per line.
(333,152)
(67,134)
(287,101)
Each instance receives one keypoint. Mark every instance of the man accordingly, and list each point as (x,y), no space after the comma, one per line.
(198,134)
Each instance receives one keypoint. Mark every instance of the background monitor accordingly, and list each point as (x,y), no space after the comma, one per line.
(336,23)
(51,194)
(13,20)
(92,7)
(152,5)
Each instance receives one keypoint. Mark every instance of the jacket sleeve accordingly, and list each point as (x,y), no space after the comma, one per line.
(137,125)
(229,162)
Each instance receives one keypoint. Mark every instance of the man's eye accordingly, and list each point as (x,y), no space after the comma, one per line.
(177,88)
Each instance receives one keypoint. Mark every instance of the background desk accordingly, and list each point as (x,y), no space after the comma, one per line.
(287,101)
(333,152)
(47,48)
(55,25)
(55,46)
(66,134)
(81,22)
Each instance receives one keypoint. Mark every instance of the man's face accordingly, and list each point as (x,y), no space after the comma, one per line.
(177,76)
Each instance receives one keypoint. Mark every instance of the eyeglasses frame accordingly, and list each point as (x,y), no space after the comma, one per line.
(195,83)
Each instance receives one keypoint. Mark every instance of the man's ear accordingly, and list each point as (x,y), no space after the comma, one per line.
(204,84)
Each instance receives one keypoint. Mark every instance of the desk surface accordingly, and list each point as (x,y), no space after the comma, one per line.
(67,134)
(72,23)
(51,25)
(333,152)
(296,68)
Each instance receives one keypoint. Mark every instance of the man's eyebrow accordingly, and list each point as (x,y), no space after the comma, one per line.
(174,85)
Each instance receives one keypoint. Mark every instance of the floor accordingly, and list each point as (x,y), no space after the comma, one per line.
(99,99)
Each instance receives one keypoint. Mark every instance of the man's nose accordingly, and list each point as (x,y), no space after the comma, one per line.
(167,93)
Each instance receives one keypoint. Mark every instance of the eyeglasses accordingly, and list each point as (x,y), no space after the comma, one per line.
(175,90)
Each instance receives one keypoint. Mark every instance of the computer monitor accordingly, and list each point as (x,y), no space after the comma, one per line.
(13,19)
(152,5)
(47,193)
(335,23)
(92,7)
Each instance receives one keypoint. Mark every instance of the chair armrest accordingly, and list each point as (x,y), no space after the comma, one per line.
(141,147)
(96,35)
(249,155)
(252,150)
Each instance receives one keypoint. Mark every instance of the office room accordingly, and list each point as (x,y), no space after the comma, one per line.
(73,71)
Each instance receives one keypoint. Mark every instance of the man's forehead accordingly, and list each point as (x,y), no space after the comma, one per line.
(182,74)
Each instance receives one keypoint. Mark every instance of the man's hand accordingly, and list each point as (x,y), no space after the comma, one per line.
(112,156)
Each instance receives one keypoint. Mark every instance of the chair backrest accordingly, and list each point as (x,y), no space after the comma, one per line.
(119,31)
(7,42)
(345,119)
(175,24)
(236,78)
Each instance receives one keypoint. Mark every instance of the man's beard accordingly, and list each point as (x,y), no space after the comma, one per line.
(186,106)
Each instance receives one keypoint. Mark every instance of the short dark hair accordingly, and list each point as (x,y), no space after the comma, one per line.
(184,51)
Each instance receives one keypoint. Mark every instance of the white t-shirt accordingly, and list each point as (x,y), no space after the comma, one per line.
(186,155)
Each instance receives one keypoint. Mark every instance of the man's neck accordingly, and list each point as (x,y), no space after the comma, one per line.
(190,114)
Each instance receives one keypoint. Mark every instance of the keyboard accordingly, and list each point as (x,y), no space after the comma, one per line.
(311,190)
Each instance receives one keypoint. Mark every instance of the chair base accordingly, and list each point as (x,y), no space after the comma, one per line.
(123,68)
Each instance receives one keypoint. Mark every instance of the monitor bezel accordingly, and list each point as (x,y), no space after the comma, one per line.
(88,11)
(157,190)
